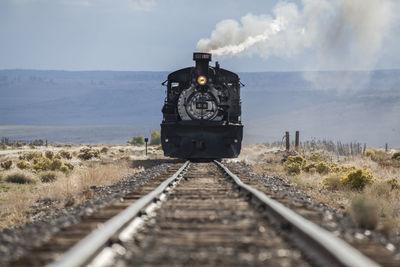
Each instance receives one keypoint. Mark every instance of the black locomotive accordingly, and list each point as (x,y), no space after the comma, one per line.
(201,114)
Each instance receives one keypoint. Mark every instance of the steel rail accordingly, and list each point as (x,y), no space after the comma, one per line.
(85,250)
(322,246)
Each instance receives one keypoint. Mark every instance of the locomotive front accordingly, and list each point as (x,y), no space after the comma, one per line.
(201,114)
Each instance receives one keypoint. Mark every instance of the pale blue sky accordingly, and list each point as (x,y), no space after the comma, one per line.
(135,35)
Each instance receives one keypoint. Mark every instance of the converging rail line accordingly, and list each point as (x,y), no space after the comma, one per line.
(202,214)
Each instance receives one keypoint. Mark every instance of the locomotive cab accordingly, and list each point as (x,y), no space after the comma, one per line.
(201,113)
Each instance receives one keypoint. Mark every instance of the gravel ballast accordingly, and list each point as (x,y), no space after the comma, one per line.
(339,222)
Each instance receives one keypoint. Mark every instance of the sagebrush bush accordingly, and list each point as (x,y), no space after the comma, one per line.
(49,154)
(87,153)
(3,146)
(394,183)
(64,169)
(55,164)
(69,165)
(6,164)
(294,164)
(309,167)
(332,181)
(380,156)
(48,177)
(292,168)
(357,179)
(42,164)
(317,157)
(365,212)
(19,178)
(369,153)
(31,155)
(22,164)
(322,168)
(64,154)
(104,150)
(396,155)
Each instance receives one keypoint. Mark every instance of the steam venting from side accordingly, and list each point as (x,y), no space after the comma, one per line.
(345,34)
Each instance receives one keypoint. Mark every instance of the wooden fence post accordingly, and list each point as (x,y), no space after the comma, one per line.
(287,141)
(297,140)
(386,148)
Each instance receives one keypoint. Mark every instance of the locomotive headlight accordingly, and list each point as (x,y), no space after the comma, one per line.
(202,80)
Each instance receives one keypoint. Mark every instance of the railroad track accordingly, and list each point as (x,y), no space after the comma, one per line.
(196,214)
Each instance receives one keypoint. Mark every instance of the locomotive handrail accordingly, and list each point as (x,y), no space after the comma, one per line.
(81,253)
(325,248)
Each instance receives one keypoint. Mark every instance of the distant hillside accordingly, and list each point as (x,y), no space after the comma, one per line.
(320,104)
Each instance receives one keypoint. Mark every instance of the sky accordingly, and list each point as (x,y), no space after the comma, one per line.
(160,35)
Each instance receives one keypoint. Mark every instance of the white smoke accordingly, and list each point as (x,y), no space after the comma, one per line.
(345,34)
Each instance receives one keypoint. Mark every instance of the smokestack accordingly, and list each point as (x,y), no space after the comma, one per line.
(202,60)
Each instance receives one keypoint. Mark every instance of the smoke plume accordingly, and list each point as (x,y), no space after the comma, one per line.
(345,34)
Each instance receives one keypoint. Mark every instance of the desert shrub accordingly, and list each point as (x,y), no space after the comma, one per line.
(69,165)
(104,150)
(55,164)
(292,168)
(64,169)
(19,178)
(309,166)
(42,164)
(23,164)
(365,212)
(6,164)
(394,183)
(396,155)
(31,155)
(357,179)
(317,157)
(32,147)
(322,168)
(297,159)
(380,156)
(137,140)
(155,138)
(64,154)
(87,153)
(332,181)
(294,164)
(49,154)
(3,146)
(48,177)
(346,168)
(369,153)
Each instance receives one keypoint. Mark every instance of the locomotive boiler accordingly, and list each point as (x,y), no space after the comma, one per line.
(202,112)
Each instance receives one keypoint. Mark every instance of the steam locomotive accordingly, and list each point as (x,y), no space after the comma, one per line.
(202,112)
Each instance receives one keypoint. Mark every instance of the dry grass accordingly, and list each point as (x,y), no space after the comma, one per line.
(17,201)
(376,206)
